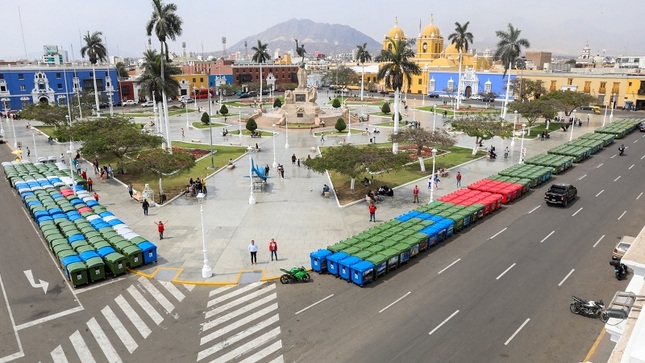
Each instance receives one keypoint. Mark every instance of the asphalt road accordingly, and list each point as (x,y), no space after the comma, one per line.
(497,293)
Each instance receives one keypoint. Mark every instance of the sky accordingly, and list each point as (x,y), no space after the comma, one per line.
(562,27)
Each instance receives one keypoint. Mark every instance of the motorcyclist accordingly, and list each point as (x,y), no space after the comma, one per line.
(621,149)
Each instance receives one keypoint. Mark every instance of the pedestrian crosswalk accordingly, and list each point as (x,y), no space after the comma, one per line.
(153,307)
(242,325)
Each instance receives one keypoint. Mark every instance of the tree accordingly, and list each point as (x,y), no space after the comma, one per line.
(386,108)
(223,110)
(277,103)
(260,56)
(161,162)
(508,50)
(206,119)
(251,125)
(335,103)
(421,138)
(352,161)
(397,68)
(461,38)
(340,76)
(567,101)
(362,56)
(152,83)
(532,110)
(166,24)
(50,115)
(121,71)
(528,88)
(400,116)
(96,52)
(340,125)
(481,127)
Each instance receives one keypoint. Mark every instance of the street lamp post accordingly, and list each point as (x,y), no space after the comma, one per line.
(573,124)
(434,158)
(514,126)
(71,169)
(275,163)
(207,270)
(251,197)
(434,117)
(187,123)
(613,105)
(286,131)
(239,123)
(604,118)
(7,114)
(349,123)
(522,145)
(33,137)
(5,100)
(210,132)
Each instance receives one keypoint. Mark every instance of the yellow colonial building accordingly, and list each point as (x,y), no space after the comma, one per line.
(188,83)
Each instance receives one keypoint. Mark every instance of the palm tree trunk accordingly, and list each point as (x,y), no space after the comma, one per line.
(362,80)
(395,145)
(260,84)
(508,88)
(459,80)
(422,165)
(352,184)
(96,93)
(164,99)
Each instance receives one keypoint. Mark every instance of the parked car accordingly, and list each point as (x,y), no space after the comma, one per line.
(147,104)
(476,97)
(561,194)
(622,246)
(249,94)
(488,99)
(433,95)
(129,103)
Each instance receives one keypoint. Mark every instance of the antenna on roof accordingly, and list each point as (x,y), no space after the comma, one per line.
(223,47)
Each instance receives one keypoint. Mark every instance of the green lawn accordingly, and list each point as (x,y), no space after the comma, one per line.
(248,133)
(201,125)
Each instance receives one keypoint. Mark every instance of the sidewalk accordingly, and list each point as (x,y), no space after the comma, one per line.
(290,210)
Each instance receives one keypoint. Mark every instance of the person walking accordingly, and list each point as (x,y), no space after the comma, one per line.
(372,209)
(253,249)
(161,227)
(322,137)
(145,205)
(28,152)
(89,184)
(293,159)
(130,190)
(273,249)
(415,194)
(96,196)
(182,133)
(436,181)
(458,177)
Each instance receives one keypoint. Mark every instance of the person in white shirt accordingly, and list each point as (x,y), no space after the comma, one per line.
(253,249)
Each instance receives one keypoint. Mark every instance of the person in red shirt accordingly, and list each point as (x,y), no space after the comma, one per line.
(458,179)
(96,196)
(89,184)
(372,209)
(273,249)
(415,193)
(161,227)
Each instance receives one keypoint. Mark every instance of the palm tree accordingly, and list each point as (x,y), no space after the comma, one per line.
(166,24)
(362,55)
(397,67)
(508,50)
(461,38)
(96,52)
(260,55)
(151,83)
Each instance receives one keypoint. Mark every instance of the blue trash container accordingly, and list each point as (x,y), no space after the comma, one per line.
(344,267)
(149,252)
(319,260)
(332,262)
(362,273)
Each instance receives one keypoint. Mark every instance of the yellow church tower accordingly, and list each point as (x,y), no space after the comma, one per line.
(429,42)
(395,33)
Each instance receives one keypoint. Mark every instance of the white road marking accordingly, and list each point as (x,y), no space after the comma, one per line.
(505,271)
(618,177)
(637,198)
(48,318)
(598,241)
(533,210)
(447,267)
(83,352)
(243,310)
(498,233)
(220,290)
(517,331)
(635,141)
(613,156)
(265,352)
(600,192)
(622,214)
(238,323)
(574,214)
(133,316)
(395,301)
(642,157)
(101,285)
(103,341)
(189,287)
(145,305)
(252,344)
(161,299)
(314,304)
(20,353)
(120,330)
(173,290)
(58,355)
(233,294)
(443,322)
(566,277)
(237,337)
(241,300)
(630,168)
(547,236)
(599,165)
(41,283)
(582,177)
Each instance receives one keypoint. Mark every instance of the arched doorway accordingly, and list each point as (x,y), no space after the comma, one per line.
(468,92)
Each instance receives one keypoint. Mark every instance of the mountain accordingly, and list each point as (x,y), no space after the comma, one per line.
(316,37)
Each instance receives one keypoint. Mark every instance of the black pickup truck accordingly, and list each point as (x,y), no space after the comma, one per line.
(561,194)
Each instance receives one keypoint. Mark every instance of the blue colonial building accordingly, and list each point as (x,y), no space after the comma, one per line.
(25,84)
(473,83)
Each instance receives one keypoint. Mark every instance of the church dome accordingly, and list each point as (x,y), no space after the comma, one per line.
(430,30)
(452,49)
(396,32)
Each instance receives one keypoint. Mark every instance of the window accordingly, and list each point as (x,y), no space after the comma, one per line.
(21,76)
(603,88)
(553,85)
(60,86)
(420,81)
(194,80)
(22,87)
(57,75)
(587,88)
(570,81)
(3,88)
(615,88)
(1,76)
(201,79)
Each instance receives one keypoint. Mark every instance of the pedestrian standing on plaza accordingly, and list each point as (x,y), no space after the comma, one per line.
(273,249)
(145,207)
(253,249)
(436,181)
(293,159)
(322,137)
(458,177)
(161,227)
(28,152)
(372,209)
(130,190)
(266,170)
(182,133)
(415,194)
(96,166)
(89,184)
(62,158)
(96,196)
(281,170)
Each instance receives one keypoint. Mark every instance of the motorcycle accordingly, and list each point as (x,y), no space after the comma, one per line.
(591,308)
(621,150)
(295,274)
(620,270)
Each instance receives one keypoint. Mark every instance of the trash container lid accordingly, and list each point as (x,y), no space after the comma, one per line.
(321,253)
(362,266)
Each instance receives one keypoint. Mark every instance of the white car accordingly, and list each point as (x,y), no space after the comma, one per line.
(147,104)
(476,97)
(129,103)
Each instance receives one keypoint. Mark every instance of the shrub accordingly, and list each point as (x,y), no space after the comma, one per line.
(206,119)
(340,125)
(251,125)
(277,103)
(223,110)
(400,117)
(385,108)
(335,103)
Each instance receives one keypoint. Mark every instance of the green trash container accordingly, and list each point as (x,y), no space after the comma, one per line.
(119,247)
(116,263)
(134,255)
(95,268)
(83,248)
(57,242)
(77,273)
